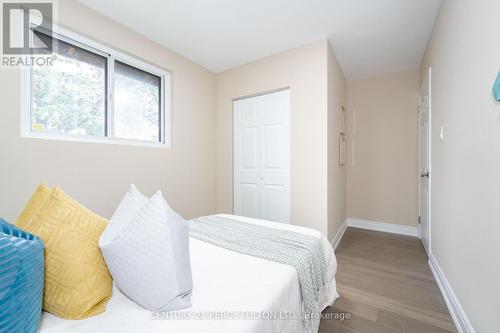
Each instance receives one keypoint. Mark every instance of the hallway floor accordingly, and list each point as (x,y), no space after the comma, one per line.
(386,286)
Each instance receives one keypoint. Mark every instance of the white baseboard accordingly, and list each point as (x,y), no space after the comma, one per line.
(456,310)
(384,227)
(372,225)
(338,236)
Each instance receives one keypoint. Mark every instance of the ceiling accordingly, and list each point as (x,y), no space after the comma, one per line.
(370,37)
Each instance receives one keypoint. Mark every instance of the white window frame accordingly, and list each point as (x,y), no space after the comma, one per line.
(111,55)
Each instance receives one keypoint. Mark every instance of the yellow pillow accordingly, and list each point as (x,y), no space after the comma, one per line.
(77,282)
(33,207)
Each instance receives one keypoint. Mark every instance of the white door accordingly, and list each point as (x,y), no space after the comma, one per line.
(262,156)
(424,177)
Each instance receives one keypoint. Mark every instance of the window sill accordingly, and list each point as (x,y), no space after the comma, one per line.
(88,139)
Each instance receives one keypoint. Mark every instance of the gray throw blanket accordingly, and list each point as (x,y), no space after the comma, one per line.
(301,251)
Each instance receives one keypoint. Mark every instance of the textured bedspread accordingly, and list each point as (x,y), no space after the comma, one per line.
(303,252)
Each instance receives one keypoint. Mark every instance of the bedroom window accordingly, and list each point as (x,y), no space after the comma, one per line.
(92,93)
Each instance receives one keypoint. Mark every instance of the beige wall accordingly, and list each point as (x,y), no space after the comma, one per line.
(464,53)
(99,174)
(337,176)
(382,168)
(304,70)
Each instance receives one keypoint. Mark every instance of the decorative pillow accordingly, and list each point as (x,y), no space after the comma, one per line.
(128,208)
(77,282)
(149,257)
(21,279)
(130,205)
(33,207)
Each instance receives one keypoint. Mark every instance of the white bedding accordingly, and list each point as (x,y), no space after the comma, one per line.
(256,286)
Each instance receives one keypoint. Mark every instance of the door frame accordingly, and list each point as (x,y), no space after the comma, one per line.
(428,78)
(233,147)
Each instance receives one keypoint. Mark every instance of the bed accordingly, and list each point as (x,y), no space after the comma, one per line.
(232,292)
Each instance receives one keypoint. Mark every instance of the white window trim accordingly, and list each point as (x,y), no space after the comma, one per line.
(111,54)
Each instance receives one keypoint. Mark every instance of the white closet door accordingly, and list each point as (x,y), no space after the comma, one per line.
(247,144)
(262,157)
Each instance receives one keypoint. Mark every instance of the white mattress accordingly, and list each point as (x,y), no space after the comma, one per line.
(230,283)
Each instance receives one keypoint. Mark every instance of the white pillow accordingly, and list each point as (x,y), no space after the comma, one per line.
(128,208)
(148,253)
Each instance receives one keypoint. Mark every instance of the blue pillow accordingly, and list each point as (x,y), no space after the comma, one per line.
(21,279)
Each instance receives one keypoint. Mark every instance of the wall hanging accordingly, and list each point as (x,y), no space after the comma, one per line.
(342,149)
(342,135)
(342,120)
(496,88)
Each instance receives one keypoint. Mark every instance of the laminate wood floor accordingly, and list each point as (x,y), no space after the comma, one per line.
(386,286)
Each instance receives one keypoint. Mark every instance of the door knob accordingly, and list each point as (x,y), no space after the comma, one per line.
(424,174)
